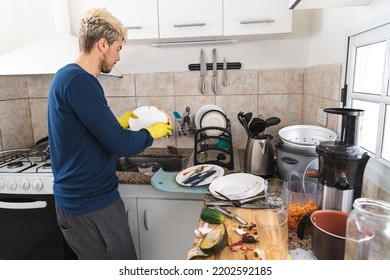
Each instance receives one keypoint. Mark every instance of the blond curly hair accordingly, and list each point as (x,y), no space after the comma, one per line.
(97,24)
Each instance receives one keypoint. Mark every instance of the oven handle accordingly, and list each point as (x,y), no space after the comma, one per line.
(23,205)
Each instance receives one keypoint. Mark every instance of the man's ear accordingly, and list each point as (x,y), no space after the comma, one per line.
(102,44)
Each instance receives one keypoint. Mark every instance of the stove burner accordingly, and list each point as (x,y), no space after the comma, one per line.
(46,165)
(14,164)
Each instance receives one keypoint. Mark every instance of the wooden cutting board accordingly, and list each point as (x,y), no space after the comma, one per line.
(227,253)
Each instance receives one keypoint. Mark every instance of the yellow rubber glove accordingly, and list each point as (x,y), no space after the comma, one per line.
(159,129)
(124,119)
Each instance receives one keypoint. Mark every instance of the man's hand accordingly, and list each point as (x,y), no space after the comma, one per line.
(159,129)
(124,119)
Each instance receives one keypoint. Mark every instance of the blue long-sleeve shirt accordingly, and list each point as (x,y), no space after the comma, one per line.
(85,138)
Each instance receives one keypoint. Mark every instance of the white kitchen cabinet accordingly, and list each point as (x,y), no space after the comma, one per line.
(166,227)
(132,218)
(320,4)
(189,18)
(255,17)
(140,17)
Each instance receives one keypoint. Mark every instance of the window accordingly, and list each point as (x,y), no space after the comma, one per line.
(367,77)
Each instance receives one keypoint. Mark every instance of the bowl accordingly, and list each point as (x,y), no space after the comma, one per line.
(145,167)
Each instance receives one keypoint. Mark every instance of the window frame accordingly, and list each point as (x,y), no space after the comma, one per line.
(372,31)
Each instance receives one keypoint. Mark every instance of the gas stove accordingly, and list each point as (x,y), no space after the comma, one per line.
(26,171)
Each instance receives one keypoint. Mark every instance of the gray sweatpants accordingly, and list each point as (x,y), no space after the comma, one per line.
(100,235)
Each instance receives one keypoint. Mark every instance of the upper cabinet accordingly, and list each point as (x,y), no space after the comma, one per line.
(251,17)
(171,20)
(190,18)
(319,4)
(139,17)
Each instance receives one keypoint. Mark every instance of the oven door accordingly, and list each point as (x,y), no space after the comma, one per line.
(29,230)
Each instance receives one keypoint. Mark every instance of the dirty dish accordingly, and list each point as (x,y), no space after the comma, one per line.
(213,118)
(198,169)
(237,186)
(202,110)
(147,115)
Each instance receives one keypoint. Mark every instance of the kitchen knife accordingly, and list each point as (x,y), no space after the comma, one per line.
(224,73)
(231,215)
(197,176)
(200,177)
(215,83)
(204,177)
(203,71)
(229,203)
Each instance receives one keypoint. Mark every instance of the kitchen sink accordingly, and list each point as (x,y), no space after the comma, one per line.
(167,163)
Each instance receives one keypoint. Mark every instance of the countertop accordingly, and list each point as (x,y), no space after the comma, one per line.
(136,178)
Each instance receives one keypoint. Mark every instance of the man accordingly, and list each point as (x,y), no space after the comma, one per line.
(85,138)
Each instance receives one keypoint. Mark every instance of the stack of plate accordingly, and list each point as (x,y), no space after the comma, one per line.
(237,186)
(211,115)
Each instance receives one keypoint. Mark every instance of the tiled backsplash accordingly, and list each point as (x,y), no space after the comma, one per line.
(275,92)
(294,95)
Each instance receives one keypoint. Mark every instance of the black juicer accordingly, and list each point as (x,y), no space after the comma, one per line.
(342,163)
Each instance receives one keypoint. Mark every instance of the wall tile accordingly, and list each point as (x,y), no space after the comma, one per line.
(232,105)
(13,87)
(154,84)
(38,107)
(114,86)
(188,83)
(324,81)
(288,107)
(120,105)
(239,82)
(281,81)
(312,103)
(39,85)
(15,124)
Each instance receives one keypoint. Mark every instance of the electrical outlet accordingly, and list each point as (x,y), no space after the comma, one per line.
(322,117)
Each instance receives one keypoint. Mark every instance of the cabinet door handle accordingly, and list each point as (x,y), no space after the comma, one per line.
(133,27)
(146,220)
(270,20)
(189,24)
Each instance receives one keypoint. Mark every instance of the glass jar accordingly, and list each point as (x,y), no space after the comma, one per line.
(368,230)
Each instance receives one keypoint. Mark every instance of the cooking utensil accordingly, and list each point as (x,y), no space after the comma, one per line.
(230,203)
(231,215)
(259,156)
(329,231)
(215,71)
(224,72)
(256,126)
(248,117)
(235,202)
(272,121)
(203,177)
(203,71)
(305,137)
(200,175)
(242,121)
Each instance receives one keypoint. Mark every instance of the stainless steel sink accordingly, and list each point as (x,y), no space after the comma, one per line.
(171,163)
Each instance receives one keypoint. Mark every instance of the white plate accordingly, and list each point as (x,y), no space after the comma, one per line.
(202,110)
(237,186)
(186,173)
(213,118)
(147,115)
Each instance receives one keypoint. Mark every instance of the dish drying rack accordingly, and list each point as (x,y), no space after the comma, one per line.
(212,148)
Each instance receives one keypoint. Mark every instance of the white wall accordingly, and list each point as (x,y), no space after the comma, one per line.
(318,37)
(329,34)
